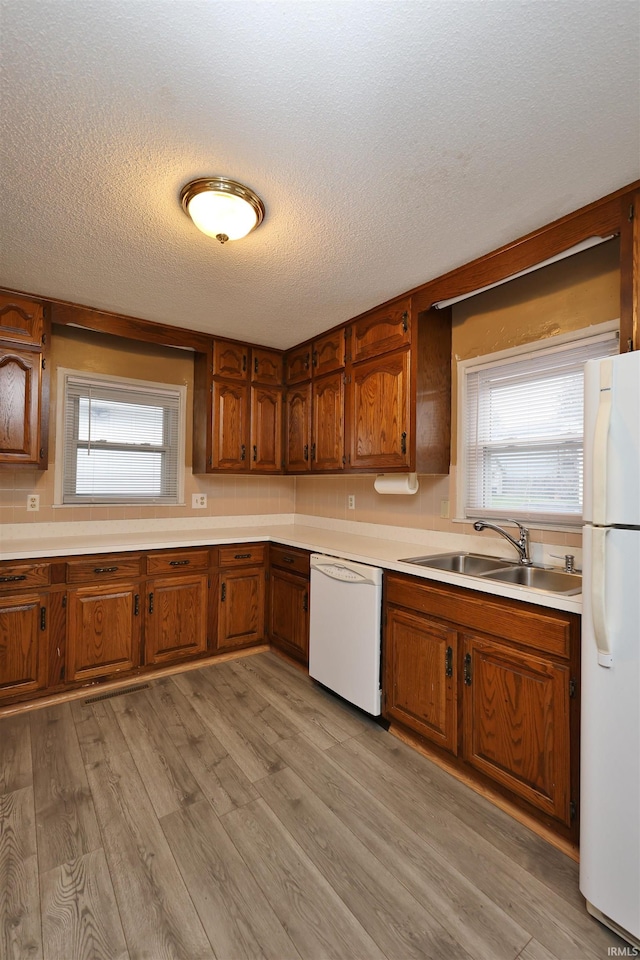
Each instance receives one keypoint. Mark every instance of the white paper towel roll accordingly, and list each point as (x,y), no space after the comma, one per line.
(398,483)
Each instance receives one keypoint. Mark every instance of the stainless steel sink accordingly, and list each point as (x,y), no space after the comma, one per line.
(473,564)
(552,581)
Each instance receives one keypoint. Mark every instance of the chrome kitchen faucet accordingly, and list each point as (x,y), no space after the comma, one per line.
(521,545)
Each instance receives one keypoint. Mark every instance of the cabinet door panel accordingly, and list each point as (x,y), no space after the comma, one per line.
(230,426)
(176,621)
(289,614)
(297,364)
(266,429)
(297,429)
(379,419)
(329,353)
(381,331)
(420,682)
(104,630)
(23,644)
(230,360)
(20,407)
(21,320)
(266,366)
(328,423)
(240,608)
(516,710)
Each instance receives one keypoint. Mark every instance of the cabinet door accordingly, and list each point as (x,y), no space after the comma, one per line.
(289,614)
(297,364)
(240,608)
(230,360)
(420,676)
(381,331)
(329,353)
(230,426)
(297,428)
(20,381)
(327,448)
(266,429)
(176,619)
(21,320)
(266,366)
(23,644)
(379,412)
(103,630)
(516,727)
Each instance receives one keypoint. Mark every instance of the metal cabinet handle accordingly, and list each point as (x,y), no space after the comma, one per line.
(289,559)
(179,563)
(305,601)
(448,662)
(105,569)
(150,603)
(136,605)
(467,669)
(243,452)
(306,451)
(43,618)
(19,576)
(242,556)
(223,592)
(255,452)
(403,443)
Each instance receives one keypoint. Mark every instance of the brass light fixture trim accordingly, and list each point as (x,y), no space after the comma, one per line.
(222,186)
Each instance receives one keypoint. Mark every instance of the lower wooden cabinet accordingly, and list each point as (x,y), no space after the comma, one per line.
(289,601)
(103,630)
(240,608)
(23,644)
(420,676)
(176,618)
(493,683)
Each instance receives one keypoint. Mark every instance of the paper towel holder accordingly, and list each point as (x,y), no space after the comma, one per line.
(401,484)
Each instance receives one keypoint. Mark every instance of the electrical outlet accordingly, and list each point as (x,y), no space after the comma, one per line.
(198,501)
(444,509)
(33,501)
(351,501)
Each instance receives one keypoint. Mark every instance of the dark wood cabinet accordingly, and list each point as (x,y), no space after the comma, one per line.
(230,426)
(176,606)
(297,364)
(494,683)
(103,630)
(297,428)
(289,601)
(327,446)
(23,643)
(379,416)
(241,596)
(266,366)
(381,331)
(230,360)
(266,429)
(328,353)
(421,676)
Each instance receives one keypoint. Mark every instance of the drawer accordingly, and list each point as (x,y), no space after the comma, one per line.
(103,569)
(241,555)
(177,561)
(16,575)
(289,558)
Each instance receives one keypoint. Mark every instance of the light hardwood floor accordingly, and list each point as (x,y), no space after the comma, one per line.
(241,811)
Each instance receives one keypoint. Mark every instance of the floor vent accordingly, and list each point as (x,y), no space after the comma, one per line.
(118,693)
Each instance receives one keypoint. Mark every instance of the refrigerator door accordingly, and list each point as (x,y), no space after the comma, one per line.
(612,441)
(610,729)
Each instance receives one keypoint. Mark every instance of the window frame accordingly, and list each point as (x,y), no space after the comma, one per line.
(603,331)
(110,381)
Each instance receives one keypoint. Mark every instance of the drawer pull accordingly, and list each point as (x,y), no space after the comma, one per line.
(19,576)
(288,559)
(242,556)
(105,569)
(179,563)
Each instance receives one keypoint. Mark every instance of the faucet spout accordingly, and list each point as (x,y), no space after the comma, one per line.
(521,545)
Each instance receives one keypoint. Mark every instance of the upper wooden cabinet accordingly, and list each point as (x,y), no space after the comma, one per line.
(379,412)
(230,426)
(297,364)
(266,430)
(327,447)
(266,366)
(328,353)
(297,428)
(21,320)
(230,360)
(380,331)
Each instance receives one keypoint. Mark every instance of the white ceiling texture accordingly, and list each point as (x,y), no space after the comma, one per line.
(391,141)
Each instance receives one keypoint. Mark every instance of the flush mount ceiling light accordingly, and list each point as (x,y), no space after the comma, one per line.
(222,208)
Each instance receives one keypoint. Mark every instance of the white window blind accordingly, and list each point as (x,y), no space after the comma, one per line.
(523,431)
(121,441)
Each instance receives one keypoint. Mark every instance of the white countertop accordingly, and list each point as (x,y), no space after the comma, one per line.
(374,544)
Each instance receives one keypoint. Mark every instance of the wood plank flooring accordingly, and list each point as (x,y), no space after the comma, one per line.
(240,811)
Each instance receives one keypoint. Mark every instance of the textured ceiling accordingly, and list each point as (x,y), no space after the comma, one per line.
(390,142)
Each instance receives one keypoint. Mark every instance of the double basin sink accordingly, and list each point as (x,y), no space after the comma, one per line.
(491,568)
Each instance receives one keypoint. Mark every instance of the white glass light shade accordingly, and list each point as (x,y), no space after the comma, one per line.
(222,208)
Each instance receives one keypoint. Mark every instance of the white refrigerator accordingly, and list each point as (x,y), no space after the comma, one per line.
(610,717)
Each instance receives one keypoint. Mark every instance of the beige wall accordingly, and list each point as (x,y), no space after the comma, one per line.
(565,296)
(99,353)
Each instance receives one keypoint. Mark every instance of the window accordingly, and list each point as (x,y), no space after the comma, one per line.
(522,427)
(123,440)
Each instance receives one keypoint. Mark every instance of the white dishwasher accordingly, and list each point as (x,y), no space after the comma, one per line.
(344,629)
